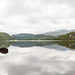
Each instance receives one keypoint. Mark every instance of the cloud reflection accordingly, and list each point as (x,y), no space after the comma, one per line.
(38,61)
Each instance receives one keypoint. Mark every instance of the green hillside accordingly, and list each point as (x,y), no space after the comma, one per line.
(4,36)
(68,36)
(42,37)
(23,36)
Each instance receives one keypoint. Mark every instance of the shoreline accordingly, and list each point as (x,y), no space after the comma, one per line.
(32,40)
(39,40)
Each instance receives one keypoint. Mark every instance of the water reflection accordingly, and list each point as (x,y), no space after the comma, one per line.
(4,44)
(37,58)
(68,44)
(31,44)
(60,45)
(38,61)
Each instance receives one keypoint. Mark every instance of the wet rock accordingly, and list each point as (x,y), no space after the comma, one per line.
(4,50)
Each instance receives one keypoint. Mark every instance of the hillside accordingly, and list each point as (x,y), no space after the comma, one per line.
(42,37)
(68,36)
(23,36)
(4,36)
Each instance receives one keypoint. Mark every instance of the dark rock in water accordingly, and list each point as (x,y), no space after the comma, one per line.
(4,50)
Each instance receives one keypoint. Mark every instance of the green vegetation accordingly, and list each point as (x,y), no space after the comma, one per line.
(68,36)
(32,37)
(42,37)
(22,36)
(4,36)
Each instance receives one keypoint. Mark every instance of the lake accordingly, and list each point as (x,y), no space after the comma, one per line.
(38,58)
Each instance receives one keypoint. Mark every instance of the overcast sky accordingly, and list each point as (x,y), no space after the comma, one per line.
(36,16)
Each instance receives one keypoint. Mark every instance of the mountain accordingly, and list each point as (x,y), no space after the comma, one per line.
(4,36)
(42,37)
(24,36)
(31,44)
(59,32)
(68,36)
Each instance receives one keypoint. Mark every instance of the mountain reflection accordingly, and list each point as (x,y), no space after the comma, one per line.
(31,44)
(68,44)
(46,44)
(4,47)
(4,44)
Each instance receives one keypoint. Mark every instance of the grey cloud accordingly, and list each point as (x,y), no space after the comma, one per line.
(33,15)
(19,7)
(61,1)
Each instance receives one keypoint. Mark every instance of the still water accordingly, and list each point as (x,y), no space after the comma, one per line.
(38,58)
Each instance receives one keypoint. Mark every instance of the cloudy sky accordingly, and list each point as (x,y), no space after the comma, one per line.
(36,16)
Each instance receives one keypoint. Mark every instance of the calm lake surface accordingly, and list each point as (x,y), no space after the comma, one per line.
(38,58)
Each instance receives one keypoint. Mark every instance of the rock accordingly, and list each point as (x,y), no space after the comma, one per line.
(4,50)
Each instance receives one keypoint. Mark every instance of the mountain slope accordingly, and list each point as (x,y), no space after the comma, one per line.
(68,36)
(4,36)
(59,32)
(23,36)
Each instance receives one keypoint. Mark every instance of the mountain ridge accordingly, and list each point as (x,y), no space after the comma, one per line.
(59,32)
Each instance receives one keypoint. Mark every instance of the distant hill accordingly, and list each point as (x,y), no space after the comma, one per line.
(68,36)
(42,37)
(24,36)
(59,32)
(31,44)
(4,36)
